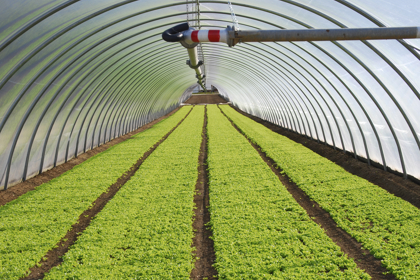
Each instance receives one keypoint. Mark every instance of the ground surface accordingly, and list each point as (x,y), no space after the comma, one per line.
(205,99)
(406,189)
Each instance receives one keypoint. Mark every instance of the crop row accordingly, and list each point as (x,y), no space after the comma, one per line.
(33,224)
(259,230)
(145,231)
(386,225)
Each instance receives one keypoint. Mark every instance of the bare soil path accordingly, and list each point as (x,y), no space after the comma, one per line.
(202,241)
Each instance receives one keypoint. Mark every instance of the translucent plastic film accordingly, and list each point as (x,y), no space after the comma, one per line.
(76,74)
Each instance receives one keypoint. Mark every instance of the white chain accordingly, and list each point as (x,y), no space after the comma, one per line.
(232,13)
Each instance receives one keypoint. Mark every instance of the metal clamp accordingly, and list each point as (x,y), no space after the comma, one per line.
(194,67)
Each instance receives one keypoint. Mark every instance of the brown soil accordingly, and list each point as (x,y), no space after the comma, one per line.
(398,186)
(14,192)
(206,99)
(202,241)
(348,244)
(54,256)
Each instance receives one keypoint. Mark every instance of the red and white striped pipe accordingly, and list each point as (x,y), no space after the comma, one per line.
(197,36)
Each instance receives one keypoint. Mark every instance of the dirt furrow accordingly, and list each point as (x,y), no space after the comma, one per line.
(204,250)
(348,244)
(15,191)
(54,256)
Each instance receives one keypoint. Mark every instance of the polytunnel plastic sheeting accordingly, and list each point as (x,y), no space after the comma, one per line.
(76,74)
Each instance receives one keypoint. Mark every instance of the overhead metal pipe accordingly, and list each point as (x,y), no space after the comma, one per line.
(178,34)
(232,36)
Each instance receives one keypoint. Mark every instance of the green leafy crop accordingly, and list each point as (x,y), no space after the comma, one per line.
(259,230)
(34,223)
(386,225)
(145,231)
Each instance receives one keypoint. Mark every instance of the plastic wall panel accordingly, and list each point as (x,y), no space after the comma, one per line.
(76,74)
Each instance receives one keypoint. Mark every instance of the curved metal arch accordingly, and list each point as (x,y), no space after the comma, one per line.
(315,127)
(362,109)
(88,110)
(23,121)
(136,77)
(384,116)
(358,101)
(310,92)
(154,86)
(245,66)
(35,21)
(136,115)
(354,8)
(247,81)
(378,80)
(106,92)
(133,91)
(305,96)
(286,95)
(355,97)
(71,93)
(325,141)
(80,96)
(124,67)
(148,74)
(78,136)
(327,92)
(338,92)
(19,65)
(56,36)
(292,120)
(22,93)
(380,24)
(321,96)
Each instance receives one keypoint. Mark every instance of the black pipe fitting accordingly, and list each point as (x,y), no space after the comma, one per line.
(175,34)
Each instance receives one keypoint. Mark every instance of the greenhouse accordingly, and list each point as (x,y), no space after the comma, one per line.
(167,139)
